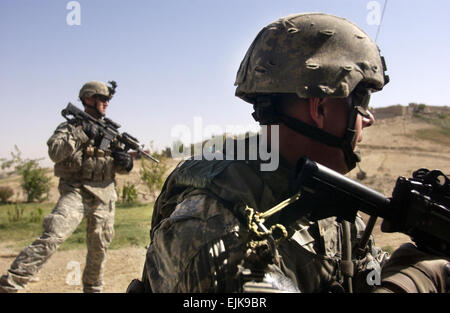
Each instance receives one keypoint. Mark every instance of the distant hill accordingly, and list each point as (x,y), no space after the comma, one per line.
(410,110)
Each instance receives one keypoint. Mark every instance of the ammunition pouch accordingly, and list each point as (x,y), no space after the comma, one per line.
(69,166)
(90,164)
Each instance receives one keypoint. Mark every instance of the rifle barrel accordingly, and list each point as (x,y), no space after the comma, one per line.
(148,156)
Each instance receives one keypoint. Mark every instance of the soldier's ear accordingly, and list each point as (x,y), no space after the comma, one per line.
(88,101)
(316,111)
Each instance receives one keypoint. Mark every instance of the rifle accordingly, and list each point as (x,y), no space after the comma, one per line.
(419,206)
(108,131)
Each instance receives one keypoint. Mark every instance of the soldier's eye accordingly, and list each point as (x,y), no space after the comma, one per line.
(102,98)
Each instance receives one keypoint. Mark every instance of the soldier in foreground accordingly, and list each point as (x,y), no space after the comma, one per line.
(87,189)
(311,74)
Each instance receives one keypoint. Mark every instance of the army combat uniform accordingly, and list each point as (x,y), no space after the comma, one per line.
(87,189)
(199,237)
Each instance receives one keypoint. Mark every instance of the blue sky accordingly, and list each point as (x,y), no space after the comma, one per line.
(175,60)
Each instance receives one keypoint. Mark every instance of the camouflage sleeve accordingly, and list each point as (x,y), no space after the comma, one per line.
(65,140)
(410,270)
(192,249)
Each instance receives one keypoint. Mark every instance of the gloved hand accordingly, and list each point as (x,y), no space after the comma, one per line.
(91,130)
(411,270)
(123,159)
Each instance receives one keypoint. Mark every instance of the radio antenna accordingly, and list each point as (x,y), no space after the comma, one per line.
(381,20)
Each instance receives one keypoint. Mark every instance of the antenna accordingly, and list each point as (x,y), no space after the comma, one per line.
(381,21)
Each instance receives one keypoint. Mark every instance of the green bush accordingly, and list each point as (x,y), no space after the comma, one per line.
(421,107)
(153,174)
(35,182)
(129,193)
(6,192)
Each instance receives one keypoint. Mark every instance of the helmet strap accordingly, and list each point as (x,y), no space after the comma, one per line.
(344,143)
(94,107)
(97,110)
(266,113)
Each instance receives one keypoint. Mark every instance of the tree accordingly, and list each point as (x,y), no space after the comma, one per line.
(35,182)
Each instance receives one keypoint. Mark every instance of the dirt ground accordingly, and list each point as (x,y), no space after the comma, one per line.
(63,271)
(387,153)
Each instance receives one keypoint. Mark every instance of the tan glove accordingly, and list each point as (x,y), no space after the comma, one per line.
(413,271)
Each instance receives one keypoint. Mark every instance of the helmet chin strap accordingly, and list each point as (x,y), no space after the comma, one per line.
(100,115)
(97,110)
(344,143)
(266,113)
(95,107)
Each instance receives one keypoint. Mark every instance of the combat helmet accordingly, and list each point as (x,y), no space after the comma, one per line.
(312,55)
(98,88)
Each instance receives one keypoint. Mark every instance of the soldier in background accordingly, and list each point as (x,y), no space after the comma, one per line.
(311,74)
(87,189)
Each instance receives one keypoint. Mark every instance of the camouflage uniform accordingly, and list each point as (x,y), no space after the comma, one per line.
(198,236)
(87,189)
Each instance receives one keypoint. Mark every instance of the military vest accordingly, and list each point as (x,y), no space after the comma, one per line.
(86,163)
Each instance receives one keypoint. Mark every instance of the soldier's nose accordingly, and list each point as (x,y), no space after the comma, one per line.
(368,121)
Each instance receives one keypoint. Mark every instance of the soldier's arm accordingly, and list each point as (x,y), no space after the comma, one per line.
(410,270)
(66,140)
(180,257)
